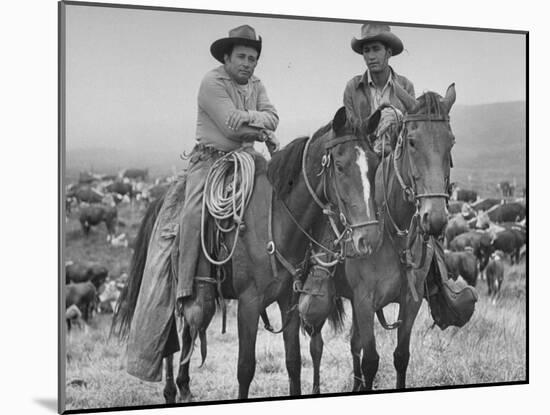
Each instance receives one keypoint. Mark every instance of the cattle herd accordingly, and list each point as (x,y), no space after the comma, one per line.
(480,235)
(484,232)
(96,199)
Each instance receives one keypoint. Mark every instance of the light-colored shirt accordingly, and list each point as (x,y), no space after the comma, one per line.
(218,96)
(380,96)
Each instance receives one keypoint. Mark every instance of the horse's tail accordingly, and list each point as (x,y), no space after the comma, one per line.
(126,303)
(337,315)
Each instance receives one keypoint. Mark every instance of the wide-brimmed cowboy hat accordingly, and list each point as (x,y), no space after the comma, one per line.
(371,32)
(243,35)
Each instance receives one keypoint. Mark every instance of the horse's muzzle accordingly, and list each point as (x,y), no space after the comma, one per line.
(433,216)
(365,240)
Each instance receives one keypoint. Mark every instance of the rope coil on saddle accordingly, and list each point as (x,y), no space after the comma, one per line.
(227,191)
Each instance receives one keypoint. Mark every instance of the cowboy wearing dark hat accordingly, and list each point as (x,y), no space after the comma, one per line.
(233,112)
(380,85)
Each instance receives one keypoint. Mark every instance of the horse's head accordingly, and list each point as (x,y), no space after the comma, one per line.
(351,165)
(427,140)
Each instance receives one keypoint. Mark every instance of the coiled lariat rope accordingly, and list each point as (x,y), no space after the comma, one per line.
(227,191)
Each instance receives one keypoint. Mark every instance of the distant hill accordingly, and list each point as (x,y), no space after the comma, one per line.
(490,147)
(490,143)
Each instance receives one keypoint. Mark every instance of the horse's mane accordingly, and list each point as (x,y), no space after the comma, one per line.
(286,164)
(429,103)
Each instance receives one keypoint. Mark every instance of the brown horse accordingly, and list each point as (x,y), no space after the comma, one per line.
(412,191)
(309,179)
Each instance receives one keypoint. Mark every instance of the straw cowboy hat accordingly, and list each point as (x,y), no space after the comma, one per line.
(243,35)
(371,32)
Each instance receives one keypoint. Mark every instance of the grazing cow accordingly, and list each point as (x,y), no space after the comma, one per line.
(478,241)
(463,264)
(455,207)
(73,316)
(506,189)
(135,174)
(95,214)
(86,177)
(121,188)
(109,294)
(485,204)
(83,295)
(85,193)
(507,212)
(456,225)
(510,241)
(464,195)
(495,273)
(79,272)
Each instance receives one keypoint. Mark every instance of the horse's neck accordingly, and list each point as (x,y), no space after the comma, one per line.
(303,208)
(401,209)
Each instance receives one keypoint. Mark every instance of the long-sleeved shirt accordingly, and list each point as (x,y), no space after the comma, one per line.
(361,98)
(218,96)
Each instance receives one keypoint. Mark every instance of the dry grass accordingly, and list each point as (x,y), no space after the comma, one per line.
(490,348)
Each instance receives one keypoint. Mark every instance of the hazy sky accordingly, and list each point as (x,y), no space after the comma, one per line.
(133,75)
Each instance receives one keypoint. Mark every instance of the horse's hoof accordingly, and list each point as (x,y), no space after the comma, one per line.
(185,397)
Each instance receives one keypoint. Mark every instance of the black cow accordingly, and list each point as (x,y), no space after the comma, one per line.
(121,188)
(462,264)
(464,195)
(83,295)
(507,212)
(78,272)
(85,193)
(87,178)
(485,204)
(494,274)
(455,207)
(95,214)
(73,316)
(510,241)
(136,174)
(478,241)
(506,189)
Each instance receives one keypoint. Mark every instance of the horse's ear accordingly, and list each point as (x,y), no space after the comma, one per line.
(450,97)
(339,120)
(373,121)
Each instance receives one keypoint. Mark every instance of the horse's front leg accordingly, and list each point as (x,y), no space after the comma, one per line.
(183,373)
(248,315)
(291,337)
(363,310)
(170,387)
(355,346)
(408,310)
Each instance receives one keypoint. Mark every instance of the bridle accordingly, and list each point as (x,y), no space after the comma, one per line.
(409,191)
(335,218)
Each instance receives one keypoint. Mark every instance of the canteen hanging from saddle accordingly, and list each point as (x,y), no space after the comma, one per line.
(316,297)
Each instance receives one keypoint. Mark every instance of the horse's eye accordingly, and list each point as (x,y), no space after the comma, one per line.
(339,168)
(412,142)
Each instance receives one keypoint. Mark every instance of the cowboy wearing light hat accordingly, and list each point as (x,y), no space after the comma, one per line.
(379,85)
(233,112)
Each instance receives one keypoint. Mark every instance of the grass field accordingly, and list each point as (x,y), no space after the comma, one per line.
(490,348)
